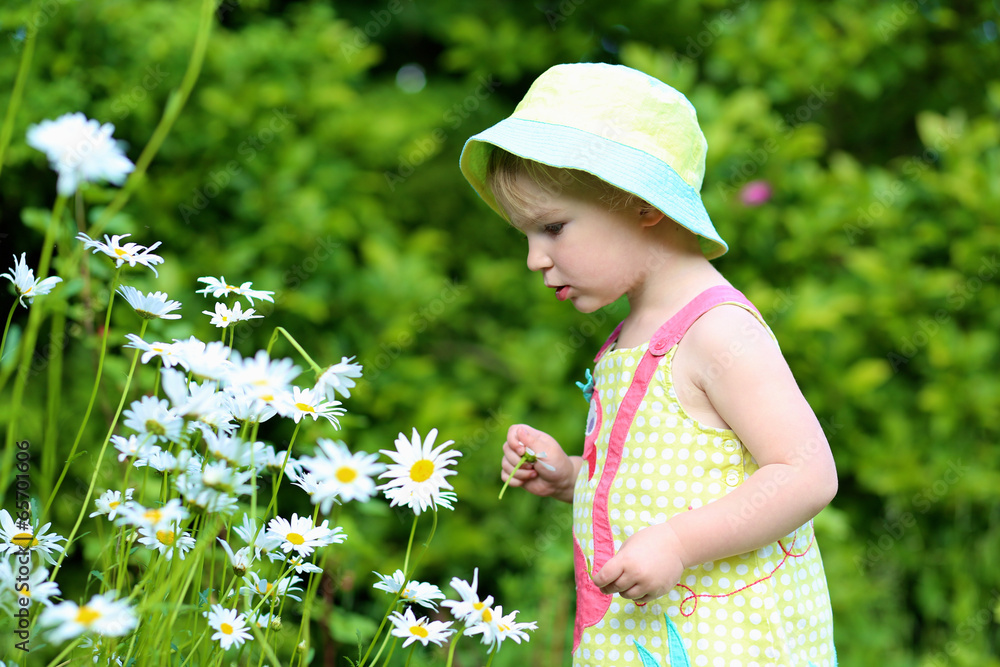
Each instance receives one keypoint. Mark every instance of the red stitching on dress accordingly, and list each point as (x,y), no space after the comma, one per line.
(695,596)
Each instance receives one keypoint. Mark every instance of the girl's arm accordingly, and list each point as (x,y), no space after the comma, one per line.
(745,377)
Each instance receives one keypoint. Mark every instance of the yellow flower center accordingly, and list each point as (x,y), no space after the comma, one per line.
(267,587)
(295,538)
(113,504)
(25,540)
(86,615)
(477,605)
(166,537)
(155,427)
(487,615)
(419,631)
(120,252)
(305,407)
(226,628)
(345,475)
(153,516)
(422,470)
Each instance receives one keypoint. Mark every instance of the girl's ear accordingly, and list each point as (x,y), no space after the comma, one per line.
(649,216)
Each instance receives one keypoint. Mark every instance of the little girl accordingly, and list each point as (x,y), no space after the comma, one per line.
(703,465)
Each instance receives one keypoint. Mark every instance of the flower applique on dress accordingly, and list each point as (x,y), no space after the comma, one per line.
(587,387)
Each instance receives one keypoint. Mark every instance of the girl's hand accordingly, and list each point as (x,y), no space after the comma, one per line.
(647,566)
(554,474)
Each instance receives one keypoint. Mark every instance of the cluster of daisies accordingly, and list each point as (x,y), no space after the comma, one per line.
(197,432)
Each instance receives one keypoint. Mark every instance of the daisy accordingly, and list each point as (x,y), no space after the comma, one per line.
(258,539)
(421,630)
(229,625)
(201,498)
(224,315)
(150,306)
(265,620)
(241,559)
(265,588)
(110,502)
(302,536)
(192,399)
(166,540)
(204,360)
(274,462)
(233,450)
(218,287)
(338,378)
(152,416)
(308,403)
(261,376)
(16,537)
(164,351)
(153,518)
(25,284)
(417,478)
(469,609)
(133,253)
(416,592)
(340,474)
(80,150)
(301,566)
(17,591)
(102,615)
(495,627)
(244,407)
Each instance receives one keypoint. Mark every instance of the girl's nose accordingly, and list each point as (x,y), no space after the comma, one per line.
(538,258)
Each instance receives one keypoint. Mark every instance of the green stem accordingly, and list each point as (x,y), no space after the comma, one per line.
(409,548)
(295,344)
(93,395)
(6,328)
(454,643)
(104,446)
(53,400)
(170,114)
(27,350)
(18,93)
(511,476)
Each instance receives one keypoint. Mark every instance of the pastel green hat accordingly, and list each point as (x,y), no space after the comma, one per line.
(625,127)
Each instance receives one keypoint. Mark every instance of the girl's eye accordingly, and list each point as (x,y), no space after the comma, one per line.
(555,228)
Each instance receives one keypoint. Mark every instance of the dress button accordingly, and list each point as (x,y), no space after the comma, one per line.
(732,478)
(730,445)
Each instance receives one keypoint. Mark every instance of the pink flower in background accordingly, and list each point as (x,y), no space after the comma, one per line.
(756,193)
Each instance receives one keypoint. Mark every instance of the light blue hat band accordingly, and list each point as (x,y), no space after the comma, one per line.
(625,167)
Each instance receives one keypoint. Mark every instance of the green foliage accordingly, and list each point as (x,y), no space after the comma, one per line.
(299,164)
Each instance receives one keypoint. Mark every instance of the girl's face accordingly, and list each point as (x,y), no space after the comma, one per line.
(588,254)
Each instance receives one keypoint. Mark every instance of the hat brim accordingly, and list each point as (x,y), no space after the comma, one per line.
(623,166)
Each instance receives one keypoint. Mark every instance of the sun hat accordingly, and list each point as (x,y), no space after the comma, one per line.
(625,127)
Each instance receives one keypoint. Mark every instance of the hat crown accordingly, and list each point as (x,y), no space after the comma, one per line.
(620,104)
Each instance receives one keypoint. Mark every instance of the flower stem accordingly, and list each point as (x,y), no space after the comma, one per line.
(18,93)
(100,455)
(512,473)
(6,328)
(175,104)
(409,548)
(295,344)
(93,398)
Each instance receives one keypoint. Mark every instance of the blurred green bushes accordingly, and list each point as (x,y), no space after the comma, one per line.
(301,164)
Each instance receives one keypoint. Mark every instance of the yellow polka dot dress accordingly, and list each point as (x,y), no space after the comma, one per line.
(645,460)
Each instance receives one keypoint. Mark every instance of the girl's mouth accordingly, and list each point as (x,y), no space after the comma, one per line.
(562,292)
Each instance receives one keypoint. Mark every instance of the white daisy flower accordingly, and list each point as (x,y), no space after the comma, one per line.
(264,588)
(199,497)
(421,630)
(164,351)
(260,376)
(417,478)
(218,287)
(302,536)
(258,539)
(153,518)
(224,315)
(134,447)
(264,620)
(301,403)
(469,609)
(103,615)
(133,253)
(495,627)
(301,566)
(18,591)
(244,407)
(204,360)
(416,592)
(153,417)
(233,450)
(339,474)
(150,306)
(241,559)
(167,540)
(16,536)
(230,627)
(80,150)
(25,284)
(110,502)
(337,378)
(273,461)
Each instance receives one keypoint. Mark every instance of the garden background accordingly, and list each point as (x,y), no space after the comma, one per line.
(318,157)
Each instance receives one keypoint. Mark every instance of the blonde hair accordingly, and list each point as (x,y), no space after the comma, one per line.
(504,168)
